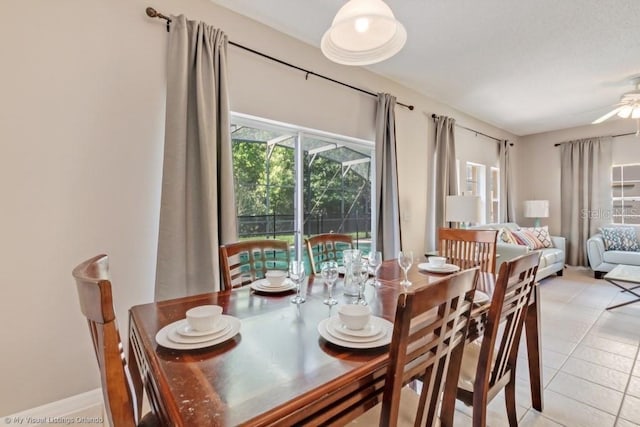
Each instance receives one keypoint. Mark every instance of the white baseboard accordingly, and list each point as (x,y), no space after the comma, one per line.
(85,409)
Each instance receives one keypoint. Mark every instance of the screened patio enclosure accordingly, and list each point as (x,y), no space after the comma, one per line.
(333,174)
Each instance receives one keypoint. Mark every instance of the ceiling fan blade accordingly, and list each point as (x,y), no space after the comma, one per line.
(606,116)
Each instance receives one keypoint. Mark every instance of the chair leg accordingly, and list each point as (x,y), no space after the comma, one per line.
(510,401)
(479,410)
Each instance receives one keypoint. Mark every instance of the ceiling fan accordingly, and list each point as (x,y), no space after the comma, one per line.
(628,107)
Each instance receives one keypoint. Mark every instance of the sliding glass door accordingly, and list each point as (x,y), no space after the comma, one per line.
(293,182)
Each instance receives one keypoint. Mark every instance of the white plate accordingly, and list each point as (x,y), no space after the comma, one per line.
(263,285)
(447,268)
(384,340)
(175,336)
(163,339)
(480,298)
(371,329)
(183,328)
(338,333)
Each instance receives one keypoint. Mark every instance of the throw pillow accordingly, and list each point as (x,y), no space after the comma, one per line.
(526,238)
(620,239)
(542,234)
(504,236)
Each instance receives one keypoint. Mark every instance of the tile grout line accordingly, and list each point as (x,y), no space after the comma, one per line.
(624,395)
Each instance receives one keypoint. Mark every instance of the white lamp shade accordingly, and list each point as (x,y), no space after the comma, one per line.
(363,32)
(536,209)
(463,209)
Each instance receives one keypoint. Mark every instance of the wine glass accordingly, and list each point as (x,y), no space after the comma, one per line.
(375,262)
(405,260)
(329,272)
(297,275)
(362,276)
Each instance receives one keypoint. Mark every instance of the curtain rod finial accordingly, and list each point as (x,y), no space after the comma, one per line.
(151,12)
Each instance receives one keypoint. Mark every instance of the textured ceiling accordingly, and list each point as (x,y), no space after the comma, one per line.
(526,66)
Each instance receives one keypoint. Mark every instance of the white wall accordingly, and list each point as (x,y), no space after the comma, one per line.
(81,125)
(538,163)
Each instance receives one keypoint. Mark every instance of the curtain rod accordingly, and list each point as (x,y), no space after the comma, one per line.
(435,116)
(557,144)
(151,12)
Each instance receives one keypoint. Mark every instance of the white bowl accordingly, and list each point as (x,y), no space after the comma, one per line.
(437,261)
(275,277)
(204,318)
(354,316)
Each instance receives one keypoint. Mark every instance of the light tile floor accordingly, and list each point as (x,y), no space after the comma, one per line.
(590,358)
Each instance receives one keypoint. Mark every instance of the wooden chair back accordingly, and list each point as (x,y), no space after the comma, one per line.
(244,262)
(329,246)
(469,248)
(496,365)
(96,303)
(429,334)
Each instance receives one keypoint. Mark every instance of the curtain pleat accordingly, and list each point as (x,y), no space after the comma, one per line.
(197,210)
(388,239)
(507,186)
(585,192)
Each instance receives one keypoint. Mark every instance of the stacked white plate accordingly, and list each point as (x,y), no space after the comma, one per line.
(263,285)
(377,333)
(179,335)
(445,268)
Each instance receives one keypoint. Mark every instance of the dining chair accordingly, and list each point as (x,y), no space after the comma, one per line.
(328,246)
(429,333)
(121,382)
(469,248)
(244,262)
(489,363)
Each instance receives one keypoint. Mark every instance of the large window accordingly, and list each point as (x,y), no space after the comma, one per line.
(279,167)
(625,183)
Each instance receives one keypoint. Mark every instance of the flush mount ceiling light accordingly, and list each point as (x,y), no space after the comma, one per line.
(363,32)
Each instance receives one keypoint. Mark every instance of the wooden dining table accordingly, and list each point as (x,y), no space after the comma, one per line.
(278,370)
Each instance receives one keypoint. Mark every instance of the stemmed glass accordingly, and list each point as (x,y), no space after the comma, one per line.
(405,260)
(297,275)
(375,262)
(329,272)
(362,276)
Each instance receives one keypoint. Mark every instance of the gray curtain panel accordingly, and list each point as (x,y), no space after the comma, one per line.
(197,210)
(507,186)
(387,198)
(585,193)
(445,176)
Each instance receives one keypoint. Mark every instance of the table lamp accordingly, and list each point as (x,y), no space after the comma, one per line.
(463,210)
(536,209)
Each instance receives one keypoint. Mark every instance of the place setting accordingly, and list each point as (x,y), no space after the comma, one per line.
(355,327)
(203,326)
(438,264)
(275,281)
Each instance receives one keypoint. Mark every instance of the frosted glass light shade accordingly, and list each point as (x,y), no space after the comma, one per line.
(536,209)
(363,32)
(462,209)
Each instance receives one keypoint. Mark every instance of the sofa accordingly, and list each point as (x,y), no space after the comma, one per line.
(551,259)
(611,246)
